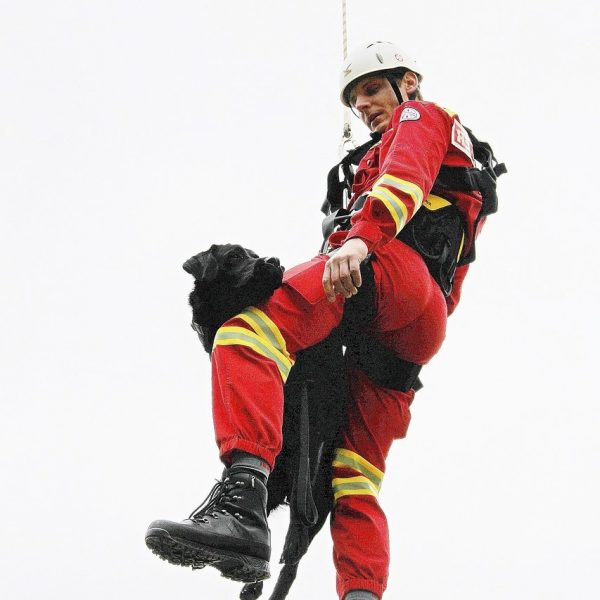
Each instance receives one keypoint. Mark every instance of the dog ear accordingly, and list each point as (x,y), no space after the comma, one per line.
(203,267)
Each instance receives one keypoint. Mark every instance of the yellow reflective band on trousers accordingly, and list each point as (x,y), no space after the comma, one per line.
(264,327)
(370,475)
(353,486)
(239,336)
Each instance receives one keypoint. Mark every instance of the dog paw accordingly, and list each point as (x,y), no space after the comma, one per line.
(251,591)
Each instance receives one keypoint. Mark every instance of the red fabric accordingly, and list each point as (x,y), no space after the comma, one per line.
(413,151)
(248,389)
(377,417)
(411,320)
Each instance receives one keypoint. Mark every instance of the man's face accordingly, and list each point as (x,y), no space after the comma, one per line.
(374,100)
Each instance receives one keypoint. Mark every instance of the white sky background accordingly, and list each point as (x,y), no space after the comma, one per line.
(135,134)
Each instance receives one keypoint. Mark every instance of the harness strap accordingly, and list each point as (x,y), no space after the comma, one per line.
(383,367)
(424,230)
(341,176)
(464,179)
(380,365)
(305,508)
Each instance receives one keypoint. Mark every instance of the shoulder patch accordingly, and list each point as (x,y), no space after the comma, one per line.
(410,114)
(461,140)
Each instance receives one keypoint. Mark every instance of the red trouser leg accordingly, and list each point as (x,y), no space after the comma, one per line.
(411,320)
(377,417)
(248,379)
(254,351)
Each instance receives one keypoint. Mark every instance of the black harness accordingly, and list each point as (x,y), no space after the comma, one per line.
(339,188)
(363,351)
(437,235)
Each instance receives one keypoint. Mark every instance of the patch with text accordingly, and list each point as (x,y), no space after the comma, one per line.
(410,114)
(462,141)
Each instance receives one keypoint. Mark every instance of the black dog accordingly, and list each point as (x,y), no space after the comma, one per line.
(229,278)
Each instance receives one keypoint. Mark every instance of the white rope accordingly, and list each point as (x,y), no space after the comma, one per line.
(344,29)
(347,138)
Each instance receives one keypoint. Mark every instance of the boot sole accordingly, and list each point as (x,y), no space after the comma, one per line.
(232,565)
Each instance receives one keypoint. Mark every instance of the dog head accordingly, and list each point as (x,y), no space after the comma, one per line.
(228,278)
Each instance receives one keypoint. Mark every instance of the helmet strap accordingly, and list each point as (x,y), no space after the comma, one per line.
(392,81)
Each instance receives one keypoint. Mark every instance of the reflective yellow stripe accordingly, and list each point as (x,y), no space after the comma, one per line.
(408,187)
(450,112)
(462,243)
(347,458)
(239,336)
(346,486)
(396,209)
(395,205)
(264,327)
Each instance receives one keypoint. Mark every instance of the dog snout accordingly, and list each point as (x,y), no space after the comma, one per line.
(203,267)
(273,260)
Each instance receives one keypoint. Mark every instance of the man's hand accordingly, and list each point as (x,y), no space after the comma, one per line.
(342,270)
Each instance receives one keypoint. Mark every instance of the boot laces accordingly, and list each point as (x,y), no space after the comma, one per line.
(222,493)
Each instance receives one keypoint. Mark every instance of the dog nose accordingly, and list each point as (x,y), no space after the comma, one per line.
(272,260)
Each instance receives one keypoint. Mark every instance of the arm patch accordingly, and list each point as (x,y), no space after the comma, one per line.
(410,114)
(461,140)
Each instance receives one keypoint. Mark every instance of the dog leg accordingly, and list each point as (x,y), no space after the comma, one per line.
(251,591)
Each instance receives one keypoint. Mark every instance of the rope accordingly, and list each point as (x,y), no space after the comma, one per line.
(347,139)
(344,29)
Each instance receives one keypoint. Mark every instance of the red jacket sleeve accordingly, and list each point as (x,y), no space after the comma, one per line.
(411,155)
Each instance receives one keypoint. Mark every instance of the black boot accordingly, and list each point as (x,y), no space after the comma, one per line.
(228,531)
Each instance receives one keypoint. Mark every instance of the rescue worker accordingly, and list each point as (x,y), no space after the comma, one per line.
(254,351)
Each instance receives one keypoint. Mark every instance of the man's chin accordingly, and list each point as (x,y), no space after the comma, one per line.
(380,128)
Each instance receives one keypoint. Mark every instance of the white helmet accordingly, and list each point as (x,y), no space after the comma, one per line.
(374,58)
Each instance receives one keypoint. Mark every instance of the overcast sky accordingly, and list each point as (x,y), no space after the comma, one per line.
(135,134)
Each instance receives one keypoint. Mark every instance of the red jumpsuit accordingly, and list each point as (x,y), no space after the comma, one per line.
(255,350)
